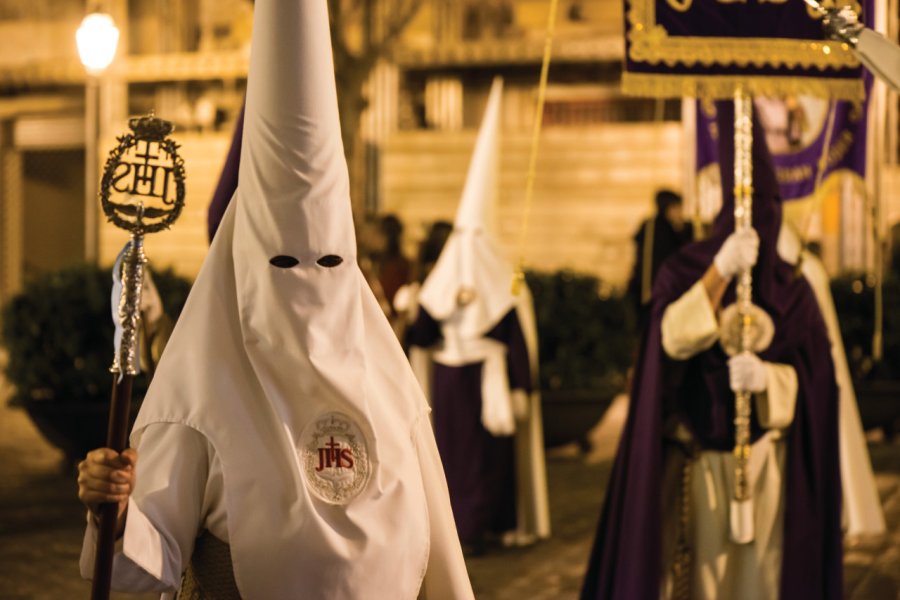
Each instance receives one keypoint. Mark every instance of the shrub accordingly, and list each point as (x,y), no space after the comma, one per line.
(59,334)
(854,299)
(587,336)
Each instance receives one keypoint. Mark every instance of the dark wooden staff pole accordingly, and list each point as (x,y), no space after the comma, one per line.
(124,368)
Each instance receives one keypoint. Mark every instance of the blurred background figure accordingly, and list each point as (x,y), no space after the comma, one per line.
(657,239)
(406,299)
(394,269)
(430,248)
(370,244)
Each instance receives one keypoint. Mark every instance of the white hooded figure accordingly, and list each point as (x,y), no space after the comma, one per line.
(862,512)
(487,420)
(284,432)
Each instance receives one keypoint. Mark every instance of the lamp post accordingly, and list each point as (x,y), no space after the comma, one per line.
(97,39)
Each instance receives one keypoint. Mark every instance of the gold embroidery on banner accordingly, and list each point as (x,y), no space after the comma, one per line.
(651,43)
(680,5)
(721,87)
(795,174)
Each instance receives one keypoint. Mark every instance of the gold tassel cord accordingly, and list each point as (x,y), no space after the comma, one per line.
(519,277)
(682,564)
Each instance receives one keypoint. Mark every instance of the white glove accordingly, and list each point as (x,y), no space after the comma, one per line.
(747,373)
(738,252)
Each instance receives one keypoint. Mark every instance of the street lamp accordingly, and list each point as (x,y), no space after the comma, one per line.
(97,39)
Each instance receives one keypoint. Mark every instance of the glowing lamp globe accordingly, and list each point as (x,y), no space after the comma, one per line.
(97,38)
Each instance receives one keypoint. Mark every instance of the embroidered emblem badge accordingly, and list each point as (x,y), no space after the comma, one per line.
(334,458)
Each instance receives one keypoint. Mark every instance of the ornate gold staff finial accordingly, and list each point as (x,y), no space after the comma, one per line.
(142,191)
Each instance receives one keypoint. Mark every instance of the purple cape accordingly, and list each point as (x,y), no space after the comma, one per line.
(626,561)
(228,180)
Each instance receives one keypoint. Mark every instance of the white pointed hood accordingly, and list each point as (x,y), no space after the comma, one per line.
(469,289)
(477,206)
(283,360)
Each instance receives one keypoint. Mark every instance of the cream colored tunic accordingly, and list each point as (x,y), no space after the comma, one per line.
(721,568)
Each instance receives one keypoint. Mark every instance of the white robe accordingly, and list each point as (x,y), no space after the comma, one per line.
(180,492)
(282,359)
(862,511)
(721,568)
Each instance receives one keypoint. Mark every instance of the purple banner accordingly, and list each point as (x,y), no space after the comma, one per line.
(797,131)
(706,48)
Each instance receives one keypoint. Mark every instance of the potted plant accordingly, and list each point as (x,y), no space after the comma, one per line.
(877,382)
(58,333)
(586,344)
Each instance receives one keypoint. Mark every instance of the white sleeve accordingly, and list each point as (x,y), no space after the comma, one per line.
(776,406)
(165,512)
(689,324)
(446,576)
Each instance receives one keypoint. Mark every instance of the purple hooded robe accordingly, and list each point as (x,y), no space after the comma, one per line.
(480,467)
(627,562)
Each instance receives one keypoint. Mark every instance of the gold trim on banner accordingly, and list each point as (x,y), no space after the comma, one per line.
(721,87)
(651,43)
(797,210)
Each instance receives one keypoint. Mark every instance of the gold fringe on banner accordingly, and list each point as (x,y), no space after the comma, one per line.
(722,87)
(651,43)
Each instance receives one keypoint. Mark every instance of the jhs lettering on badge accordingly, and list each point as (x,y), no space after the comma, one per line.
(334,458)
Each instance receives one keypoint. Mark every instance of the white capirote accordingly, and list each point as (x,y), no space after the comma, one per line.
(284,362)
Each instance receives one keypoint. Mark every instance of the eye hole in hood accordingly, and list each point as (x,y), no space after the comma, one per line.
(283,262)
(330,260)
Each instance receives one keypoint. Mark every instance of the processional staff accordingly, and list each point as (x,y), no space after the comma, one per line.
(742,330)
(142,191)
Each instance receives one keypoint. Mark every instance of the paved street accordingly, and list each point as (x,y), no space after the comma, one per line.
(41,528)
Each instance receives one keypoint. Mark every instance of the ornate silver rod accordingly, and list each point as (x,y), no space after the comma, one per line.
(743,220)
(126,360)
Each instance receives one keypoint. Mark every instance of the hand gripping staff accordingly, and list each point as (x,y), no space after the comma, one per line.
(142,191)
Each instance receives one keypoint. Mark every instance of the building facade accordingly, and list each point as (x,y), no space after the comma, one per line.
(601,157)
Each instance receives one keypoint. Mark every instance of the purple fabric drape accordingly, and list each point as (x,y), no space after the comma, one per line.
(797,170)
(626,561)
(228,180)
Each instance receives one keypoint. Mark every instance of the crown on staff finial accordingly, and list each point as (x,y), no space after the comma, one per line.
(150,128)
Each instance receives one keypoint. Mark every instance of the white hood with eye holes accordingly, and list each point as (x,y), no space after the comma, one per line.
(283,359)
(470,288)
